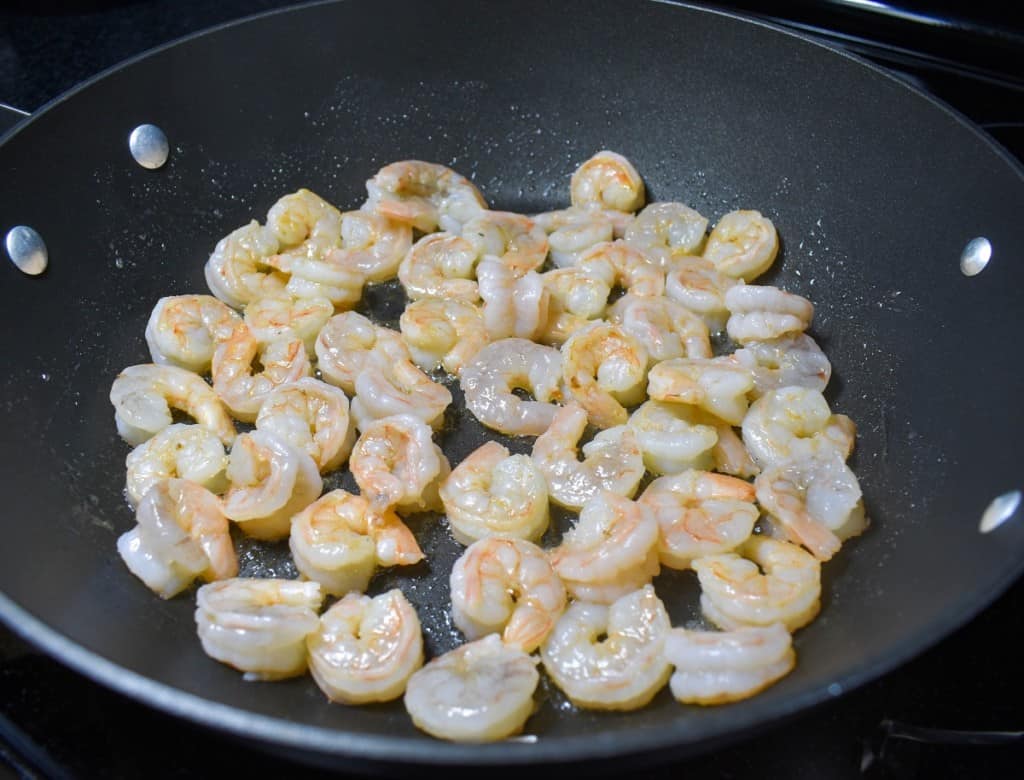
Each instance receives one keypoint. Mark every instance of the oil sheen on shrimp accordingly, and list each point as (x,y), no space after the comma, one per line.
(667,231)
(793,423)
(183,330)
(742,245)
(440,265)
(189,452)
(283,318)
(425,195)
(620,265)
(700,287)
(514,305)
(311,416)
(443,333)
(386,389)
(718,385)
(673,437)
(306,225)
(794,360)
(574,300)
(346,344)
(666,329)
(238,270)
(605,370)
(759,313)
(372,246)
(607,180)
(574,230)
(516,240)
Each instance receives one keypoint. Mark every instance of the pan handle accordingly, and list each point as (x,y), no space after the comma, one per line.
(10,116)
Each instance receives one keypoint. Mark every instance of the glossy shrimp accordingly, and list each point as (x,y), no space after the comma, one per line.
(667,231)
(573,231)
(347,344)
(184,330)
(700,287)
(516,240)
(239,271)
(760,313)
(607,180)
(440,265)
(387,389)
(605,370)
(189,452)
(372,246)
(718,385)
(742,245)
(673,437)
(665,328)
(283,318)
(619,265)
(793,423)
(443,333)
(574,300)
(425,195)
(306,225)
(794,360)
(514,305)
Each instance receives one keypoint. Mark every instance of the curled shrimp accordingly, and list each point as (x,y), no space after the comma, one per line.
(666,231)
(700,287)
(144,395)
(189,452)
(742,245)
(372,246)
(440,265)
(515,305)
(610,657)
(424,195)
(730,454)
(793,423)
(573,231)
(785,362)
(506,586)
(443,333)
(494,493)
(673,437)
(183,330)
(348,342)
(320,277)
(283,318)
(612,460)
(386,389)
(258,626)
(605,370)
(239,271)
(574,300)
(717,385)
(760,313)
(607,180)
(516,240)
(305,224)
(365,649)
(665,328)
(620,265)
(311,416)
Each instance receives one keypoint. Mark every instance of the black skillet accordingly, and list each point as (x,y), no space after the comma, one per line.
(875,190)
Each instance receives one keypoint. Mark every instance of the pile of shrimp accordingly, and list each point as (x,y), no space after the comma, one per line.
(594,322)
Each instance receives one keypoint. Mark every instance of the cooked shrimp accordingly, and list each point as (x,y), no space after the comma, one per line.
(312,416)
(612,550)
(607,180)
(424,195)
(440,265)
(742,245)
(717,385)
(610,657)
(347,342)
(494,493)
(238,271)
(667,231)
(619,265)
(339,542)
(699,513)
(515,305)
(506,365)
(506,586)
(444,333)
(730,455)
(759,313)
(283,318)
(305,224)
(183,330)
(665,328)
(574,300)
(270,482)
(700,287)
(372,246)
(190,452)
(365,649)
(673,437)
(144,395)
(514,239)
(793,423)
(612,460)
(786,362)
(479,692)
(574,230)
(320,277)
(181,534)
(716,667)
(605,370)
(766,581)
(386,389)
(258,626)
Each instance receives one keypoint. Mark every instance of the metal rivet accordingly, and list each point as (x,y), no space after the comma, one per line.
(975,256)
(149,146)
(835,689)
(27,250)
(999,511)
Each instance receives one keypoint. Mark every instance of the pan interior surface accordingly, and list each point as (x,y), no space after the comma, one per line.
(874,189)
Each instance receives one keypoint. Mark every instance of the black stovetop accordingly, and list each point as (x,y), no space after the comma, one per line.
(910,723)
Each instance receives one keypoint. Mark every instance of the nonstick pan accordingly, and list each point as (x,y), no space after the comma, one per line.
(875,190)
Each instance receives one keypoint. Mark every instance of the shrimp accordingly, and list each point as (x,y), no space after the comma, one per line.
(765,581)
(258,626)
(665,328)
(817,501)
(493,493)
(443,333)
(283,318)
(700,287)
(347,344)
(386,389)
(502,366)
(699,513)
(785,362)
(339,541)
(238,271)
(424,195)
(611,657)
(717,667)
(607,180)
(270,482)
(574,300)
(667,231)
(612,550)
(759,313)
(365,649)
(506,586)
(479,692)
(673,437)
(320,277)
(144,395)
(515,305)
(793,423)
(372,246)
(612,460)
(742,245)
(181,533)
(514,239)
(729,454)
(620,265)
(605,370)
(716,385)
(440,265)
(190,452)
(574,230)
(313,417)
(183,330)
(305,224)
(397,465)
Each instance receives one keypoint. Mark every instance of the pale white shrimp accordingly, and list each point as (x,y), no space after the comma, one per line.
(699,513)
(494,493)
(793,423)
(620,265)
(312,416)
(181,534)
(612,549)
(817,502)
(258,626)
(667,231)
(514,239)
(183,330)
(481,691)
(397,465)
(270,482)
(339,541)
(440,265)
(612,460)
(730,455)
(574,300)
(717,667)
(144,395)
(515,305)
(506,586)
(320,277)
(509,364)
(700,287)
(243,391)
(372,246)
(238,270)
(305,224)
(574,230)
(283,318)
(607,180)
(665,328)
(190,452)
(785,362)
(759,313)
(717,385)
(742,245)
(386,389)
(673,437)
(605,370)
(766,581)
(347,344)
(366,649)
(443,333)
(425,195)
(610,657)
